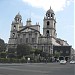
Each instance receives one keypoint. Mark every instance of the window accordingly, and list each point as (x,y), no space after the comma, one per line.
(17,20)
(14,27)
(20,21)
(24,35)
(47,32)
(48,23)
(35,36)
(30,35)
(51,15)
(48,15)
(26,40)
(13,34)
(33,40)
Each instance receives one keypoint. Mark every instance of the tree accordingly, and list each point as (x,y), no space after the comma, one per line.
(11,55)
(57,54)
(3,54)
(37,51)
(23,50)
(2,45)
(11,50)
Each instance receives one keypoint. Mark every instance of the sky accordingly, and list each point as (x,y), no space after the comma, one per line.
(36,10)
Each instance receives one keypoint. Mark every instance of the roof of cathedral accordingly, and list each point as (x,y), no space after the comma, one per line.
(18,16)
(50,11)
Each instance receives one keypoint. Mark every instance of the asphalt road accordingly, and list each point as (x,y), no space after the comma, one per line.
(37,69)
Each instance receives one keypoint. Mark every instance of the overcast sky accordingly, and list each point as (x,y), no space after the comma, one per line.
(36,9)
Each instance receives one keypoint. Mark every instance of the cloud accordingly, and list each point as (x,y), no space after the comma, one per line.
(56,5)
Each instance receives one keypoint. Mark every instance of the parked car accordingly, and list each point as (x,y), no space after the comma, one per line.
(72,62)
(63,61)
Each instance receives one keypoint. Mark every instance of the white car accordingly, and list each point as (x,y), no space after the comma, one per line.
(63,61)
(72,62)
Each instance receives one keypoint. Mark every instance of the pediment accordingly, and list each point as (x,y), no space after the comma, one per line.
(28,29)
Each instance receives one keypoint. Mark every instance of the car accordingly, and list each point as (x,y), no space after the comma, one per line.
(72,62)
(63,61)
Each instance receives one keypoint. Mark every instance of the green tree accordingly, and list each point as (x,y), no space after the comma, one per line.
(57,54)
(2,45)
(37,51)
(23,50)
(11,50)
(3,54)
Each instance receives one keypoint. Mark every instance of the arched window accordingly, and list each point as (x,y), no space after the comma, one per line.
(51,15)
(47,32)
(13,34)
(48,15)
(14,27)
(20,21)
(33,40)
(26,40)
(16,19)
(48,23)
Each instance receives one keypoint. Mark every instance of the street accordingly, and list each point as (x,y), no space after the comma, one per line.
(37,69)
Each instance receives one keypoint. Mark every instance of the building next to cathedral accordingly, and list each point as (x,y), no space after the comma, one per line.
(30,34)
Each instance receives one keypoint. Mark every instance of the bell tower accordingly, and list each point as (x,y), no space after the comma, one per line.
(49,24)
(15,27)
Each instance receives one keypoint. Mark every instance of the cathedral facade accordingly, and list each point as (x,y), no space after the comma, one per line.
(30,34)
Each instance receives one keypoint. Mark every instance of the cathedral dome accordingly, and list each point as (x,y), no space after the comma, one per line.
(50,11)
(18,16)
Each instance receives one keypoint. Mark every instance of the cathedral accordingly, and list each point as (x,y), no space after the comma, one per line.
(30,34)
